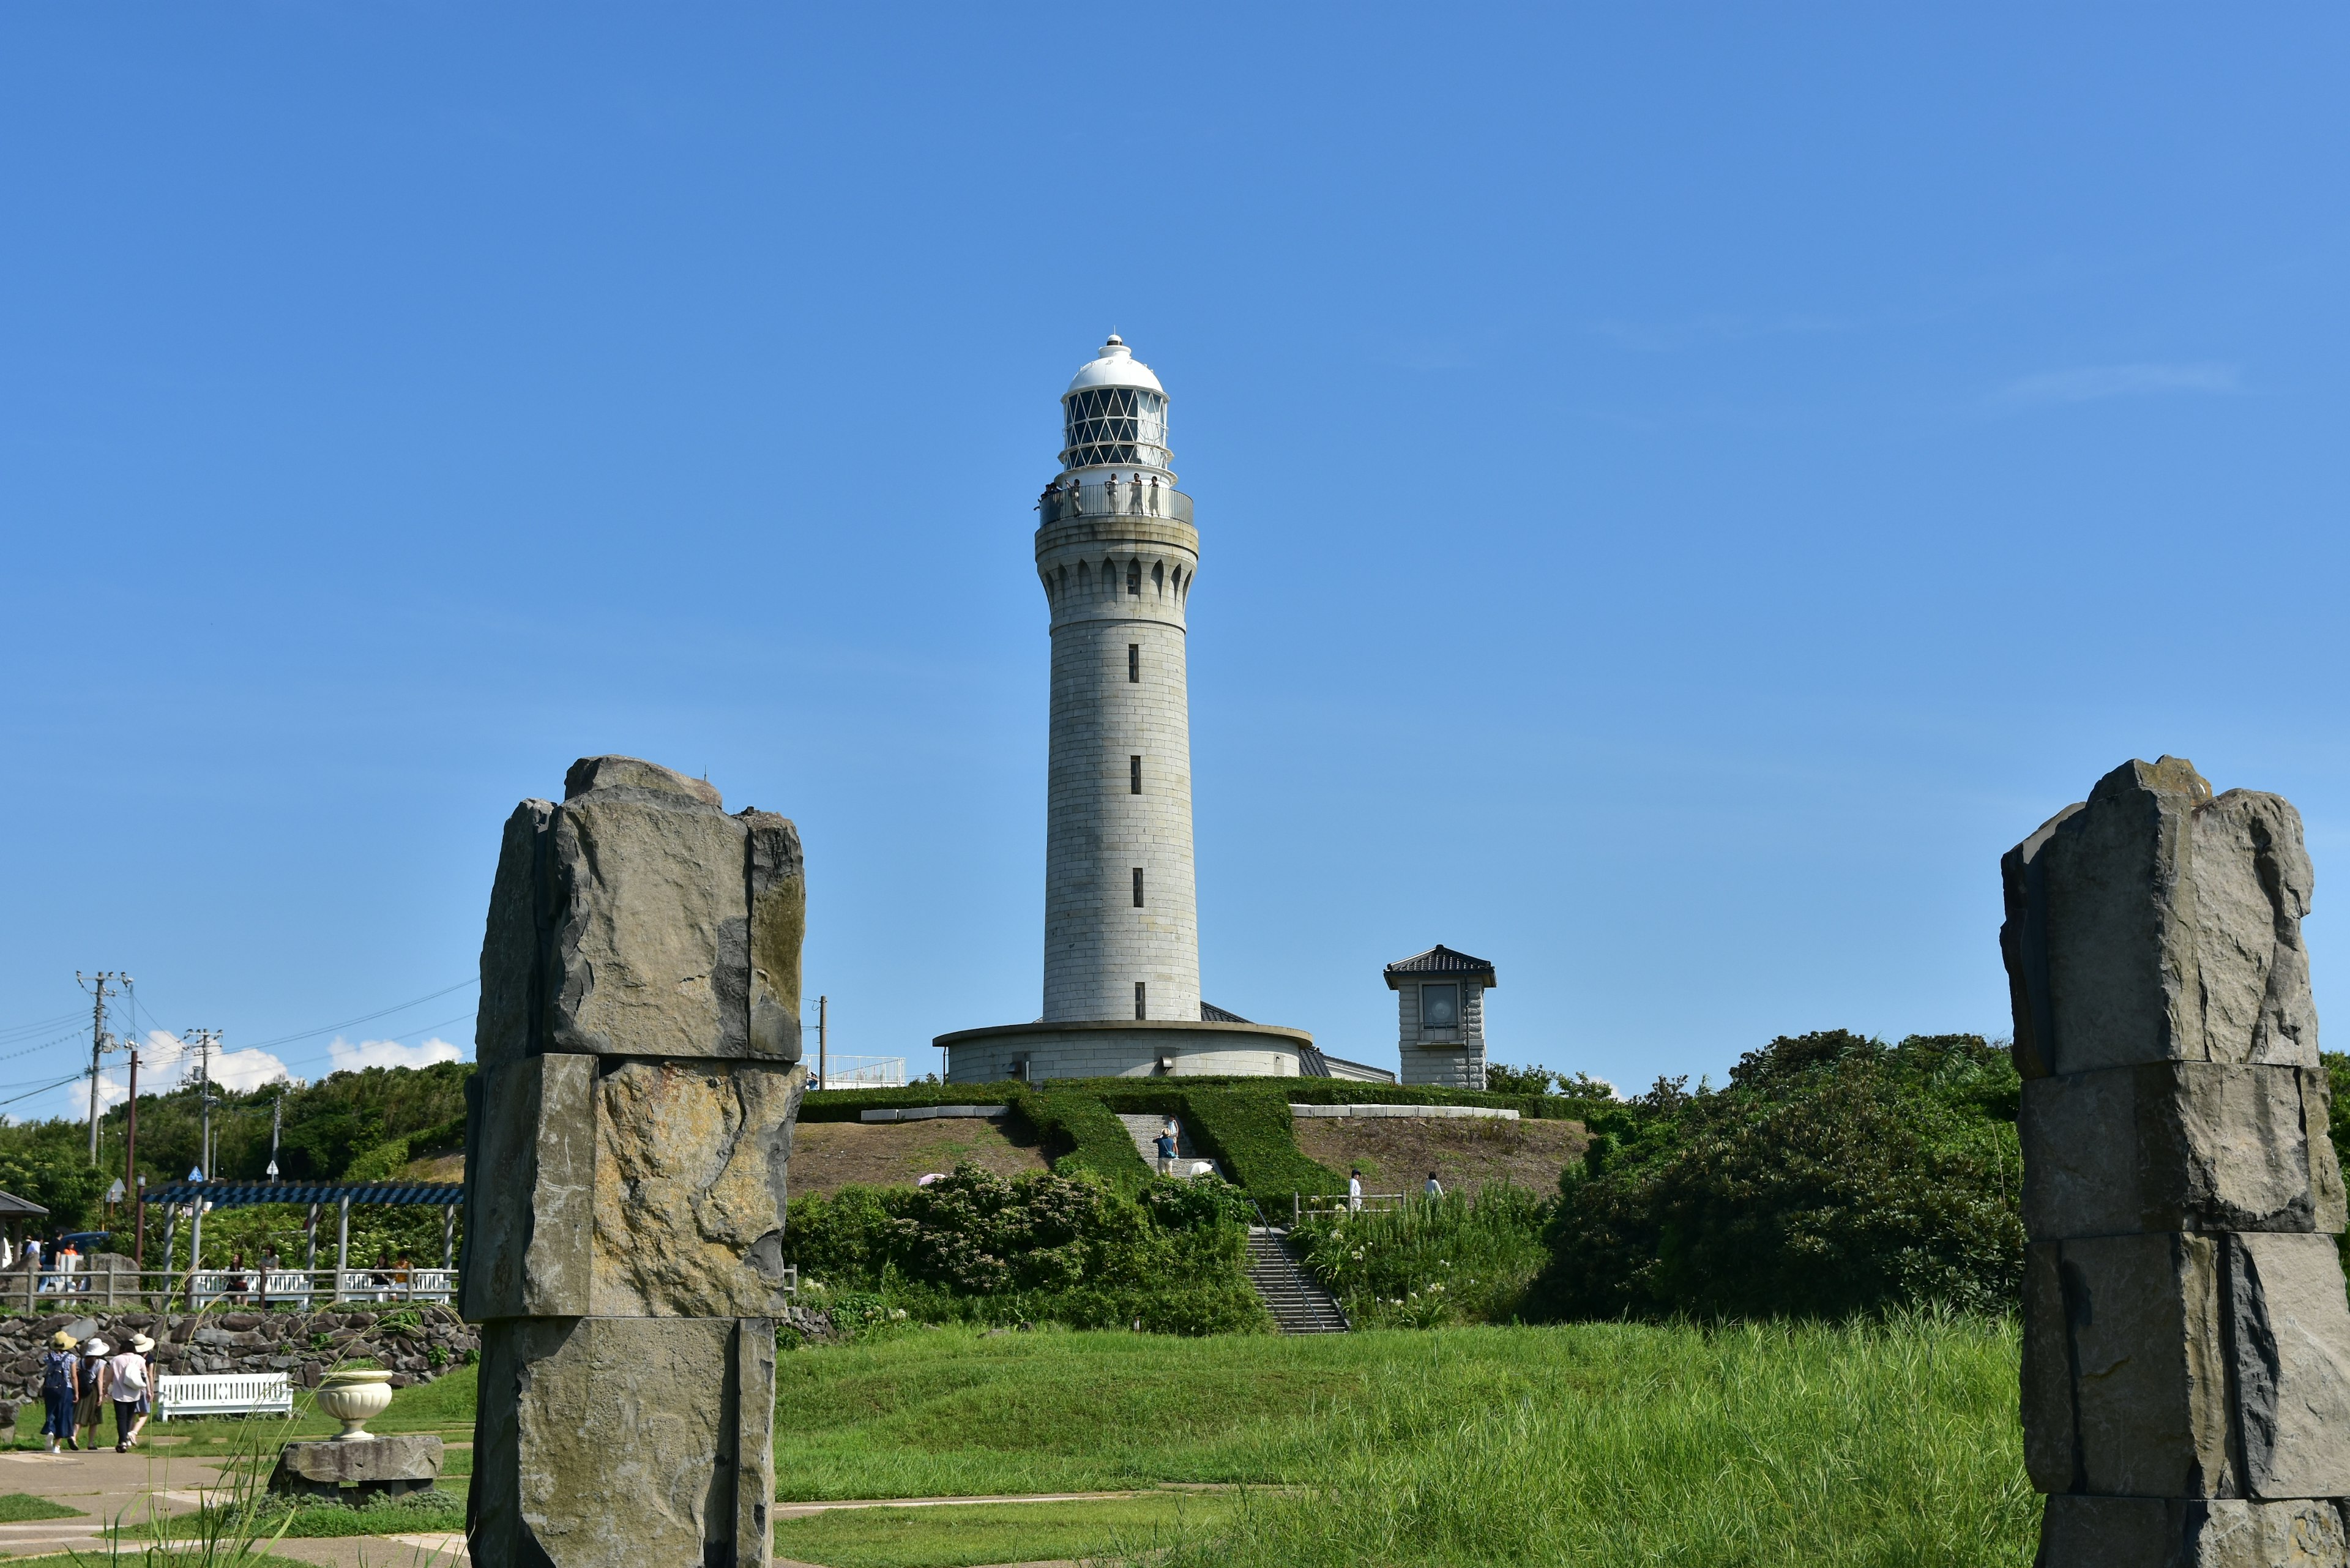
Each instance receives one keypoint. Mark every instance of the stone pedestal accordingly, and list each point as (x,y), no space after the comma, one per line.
(387,1465)
(2186,1393)
(627,1144)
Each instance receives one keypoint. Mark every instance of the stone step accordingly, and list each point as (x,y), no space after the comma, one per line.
(1144,1129)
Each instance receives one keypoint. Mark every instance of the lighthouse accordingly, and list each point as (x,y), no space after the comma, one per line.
(1117,554)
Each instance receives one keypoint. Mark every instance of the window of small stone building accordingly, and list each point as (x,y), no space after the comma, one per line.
(1439,1007)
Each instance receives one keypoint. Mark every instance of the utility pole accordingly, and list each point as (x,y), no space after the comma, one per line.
(822,1006)
(276,1122)
(204,1042)
(130,1170)
(100,986)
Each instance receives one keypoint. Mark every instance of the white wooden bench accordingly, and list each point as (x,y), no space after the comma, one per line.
(223,1394)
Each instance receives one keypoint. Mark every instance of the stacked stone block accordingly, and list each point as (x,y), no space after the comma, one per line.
(630,1127)
(2186,1382)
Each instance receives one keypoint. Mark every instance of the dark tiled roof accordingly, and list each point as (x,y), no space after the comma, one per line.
(1211,1014)
(233,1194)
(1441,960)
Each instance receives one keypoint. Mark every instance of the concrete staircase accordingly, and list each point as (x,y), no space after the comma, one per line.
(1290,1293)
(1144,1130)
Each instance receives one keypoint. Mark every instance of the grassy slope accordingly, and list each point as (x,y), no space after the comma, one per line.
(978,1533)
(1587,1443)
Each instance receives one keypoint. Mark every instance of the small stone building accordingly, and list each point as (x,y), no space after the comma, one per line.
(1441,1016)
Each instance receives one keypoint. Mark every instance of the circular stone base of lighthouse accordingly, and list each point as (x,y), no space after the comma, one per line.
(1123,1049)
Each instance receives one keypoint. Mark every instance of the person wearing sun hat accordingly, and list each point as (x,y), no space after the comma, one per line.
(126,1386)
(90,1413)
(60,1390)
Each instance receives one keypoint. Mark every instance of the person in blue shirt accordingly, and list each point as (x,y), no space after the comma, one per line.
(1167,1154)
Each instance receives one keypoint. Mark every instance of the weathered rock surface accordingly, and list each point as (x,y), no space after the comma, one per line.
(387,1464)
(2180,1532)
(689,1208)
(640,1048)
(637,918)
(2186,1378)
(532,1123)
(2154,922)
(2180,1145)
(612,1442)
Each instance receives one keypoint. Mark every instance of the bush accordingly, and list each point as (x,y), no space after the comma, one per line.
(1452,1260)
(1069,1249)
(1834,1175)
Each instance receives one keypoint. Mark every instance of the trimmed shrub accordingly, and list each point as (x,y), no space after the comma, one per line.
(1080,1134)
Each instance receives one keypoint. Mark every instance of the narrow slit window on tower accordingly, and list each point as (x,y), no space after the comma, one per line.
(1159,578)
(1138,886)
(1138,1013)
(1133,775)
(1134,576)
(1134,663)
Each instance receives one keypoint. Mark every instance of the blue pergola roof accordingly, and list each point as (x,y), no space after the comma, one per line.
(238,1194)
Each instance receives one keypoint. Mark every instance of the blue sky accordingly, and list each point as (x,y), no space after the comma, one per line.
(1682,488)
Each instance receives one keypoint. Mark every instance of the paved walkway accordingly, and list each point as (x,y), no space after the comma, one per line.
(105,1486)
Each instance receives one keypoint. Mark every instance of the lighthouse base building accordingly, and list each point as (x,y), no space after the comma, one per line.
(1116,554)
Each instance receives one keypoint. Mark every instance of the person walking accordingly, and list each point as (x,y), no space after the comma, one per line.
(1434,1190)
(125,1389)
(1167,1153)
(1354,1191)
(60,1390)
(89,1410)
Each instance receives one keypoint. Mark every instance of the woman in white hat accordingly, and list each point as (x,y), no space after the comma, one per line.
(90,1413)
(126,1387)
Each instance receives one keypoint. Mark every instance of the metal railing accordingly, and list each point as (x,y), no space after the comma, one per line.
(60,1290)
(1306,1205)
(1102,498)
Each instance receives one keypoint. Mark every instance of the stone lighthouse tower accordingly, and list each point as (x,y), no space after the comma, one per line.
(1115,553)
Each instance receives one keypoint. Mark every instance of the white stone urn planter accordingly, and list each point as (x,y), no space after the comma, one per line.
(355,1398)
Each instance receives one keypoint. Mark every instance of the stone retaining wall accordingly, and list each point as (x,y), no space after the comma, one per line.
(402,1339)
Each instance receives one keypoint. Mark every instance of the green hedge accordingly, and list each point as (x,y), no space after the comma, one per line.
(1080,1134)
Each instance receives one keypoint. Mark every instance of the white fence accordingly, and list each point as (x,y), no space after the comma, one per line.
(864,1072)
(207,1286)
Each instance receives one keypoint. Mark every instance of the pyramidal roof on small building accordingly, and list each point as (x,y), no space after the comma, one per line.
(1442,960)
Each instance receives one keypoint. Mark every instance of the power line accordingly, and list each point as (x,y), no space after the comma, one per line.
(362,1018)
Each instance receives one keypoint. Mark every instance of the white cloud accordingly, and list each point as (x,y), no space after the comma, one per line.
(164,1064)
(350,1058)
(2091,383)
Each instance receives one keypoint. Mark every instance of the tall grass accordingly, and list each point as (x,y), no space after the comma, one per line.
(1878,1444)
(1453,1259)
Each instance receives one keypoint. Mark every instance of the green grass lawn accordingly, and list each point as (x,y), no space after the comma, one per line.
(1595,1444)
(963,1535)
(19,1507)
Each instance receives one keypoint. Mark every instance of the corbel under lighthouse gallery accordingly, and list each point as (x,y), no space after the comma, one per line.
(1116,555)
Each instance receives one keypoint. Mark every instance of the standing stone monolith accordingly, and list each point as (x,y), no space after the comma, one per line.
(2186,1386)
(625,1144)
